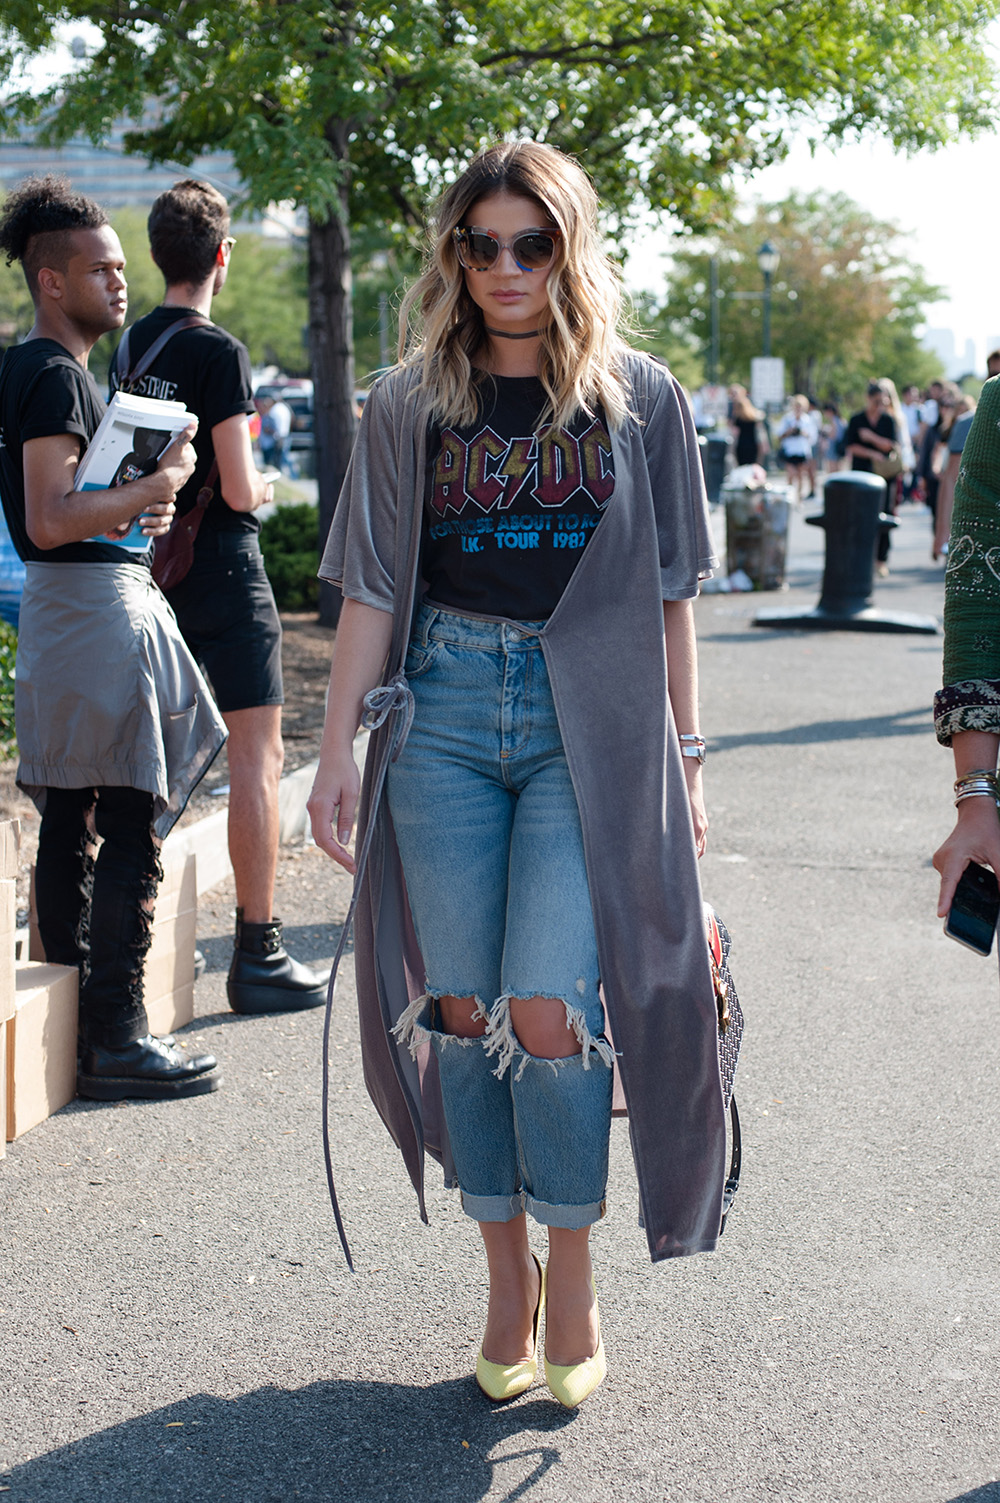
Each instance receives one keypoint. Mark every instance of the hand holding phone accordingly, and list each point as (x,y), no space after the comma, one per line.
(975,908)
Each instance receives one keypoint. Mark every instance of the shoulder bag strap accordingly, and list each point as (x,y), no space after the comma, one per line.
(126,383)
(207,490)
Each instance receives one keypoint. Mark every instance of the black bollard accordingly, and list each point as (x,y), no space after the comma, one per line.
(853,521)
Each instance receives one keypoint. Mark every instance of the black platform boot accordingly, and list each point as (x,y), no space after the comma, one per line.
(263,977)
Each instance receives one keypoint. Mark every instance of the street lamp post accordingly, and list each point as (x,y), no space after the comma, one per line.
(767,260)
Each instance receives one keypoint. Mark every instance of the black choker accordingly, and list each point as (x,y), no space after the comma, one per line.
(505,334)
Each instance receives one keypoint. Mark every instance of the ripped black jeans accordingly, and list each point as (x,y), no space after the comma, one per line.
(95,904)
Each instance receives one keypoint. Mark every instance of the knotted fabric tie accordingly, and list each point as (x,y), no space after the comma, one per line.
(379,705)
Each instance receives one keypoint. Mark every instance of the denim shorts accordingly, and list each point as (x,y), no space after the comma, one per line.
(226,612)
(489,835)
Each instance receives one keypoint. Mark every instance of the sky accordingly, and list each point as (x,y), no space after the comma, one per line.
(947,201)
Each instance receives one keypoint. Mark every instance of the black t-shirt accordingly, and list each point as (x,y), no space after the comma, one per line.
(885,428)
(509,510)
(209,371)
(44,392)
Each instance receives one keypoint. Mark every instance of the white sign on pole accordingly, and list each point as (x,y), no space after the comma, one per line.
(714,403)
(767,381)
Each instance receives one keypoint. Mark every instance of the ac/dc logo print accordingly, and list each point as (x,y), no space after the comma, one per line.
(551,467)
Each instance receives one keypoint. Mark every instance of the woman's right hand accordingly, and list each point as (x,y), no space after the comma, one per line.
(976,837)
(332,806)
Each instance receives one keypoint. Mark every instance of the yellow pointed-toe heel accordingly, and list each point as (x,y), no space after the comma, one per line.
(499,1381)
(571,1385)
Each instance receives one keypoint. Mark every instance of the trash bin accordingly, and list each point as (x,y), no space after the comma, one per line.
(714,449)
(757,534)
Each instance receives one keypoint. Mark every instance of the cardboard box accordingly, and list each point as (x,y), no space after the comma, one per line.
(41,1045)
(178,892)
(3,1089)
(8,918)
(10,840)
(172,1011)
(169,977)
(168,982)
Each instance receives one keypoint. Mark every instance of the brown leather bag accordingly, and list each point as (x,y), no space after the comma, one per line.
(173,553)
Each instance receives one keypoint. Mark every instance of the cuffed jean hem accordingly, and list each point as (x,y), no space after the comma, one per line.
(507,1207)
(493,1207)
(569,1218)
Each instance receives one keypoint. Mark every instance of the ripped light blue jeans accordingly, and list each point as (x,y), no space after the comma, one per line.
(489,835)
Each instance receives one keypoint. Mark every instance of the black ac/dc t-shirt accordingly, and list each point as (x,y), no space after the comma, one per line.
(509,510)
(209,371)
(45,392)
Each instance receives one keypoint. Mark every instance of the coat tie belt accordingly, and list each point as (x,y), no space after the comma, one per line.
(393,697)
(380,703)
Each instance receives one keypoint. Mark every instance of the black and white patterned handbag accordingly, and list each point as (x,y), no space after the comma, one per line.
(730,1038)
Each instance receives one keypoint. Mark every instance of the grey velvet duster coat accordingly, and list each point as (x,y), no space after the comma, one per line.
(604,648)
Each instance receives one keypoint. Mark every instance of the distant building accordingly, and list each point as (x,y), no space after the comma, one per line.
(107,173)
(957,363)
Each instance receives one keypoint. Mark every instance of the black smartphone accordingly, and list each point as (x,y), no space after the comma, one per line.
(975,908)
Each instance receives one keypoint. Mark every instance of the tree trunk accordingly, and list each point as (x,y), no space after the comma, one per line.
(331,353)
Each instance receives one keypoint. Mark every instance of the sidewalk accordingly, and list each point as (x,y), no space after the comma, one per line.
(178,1321)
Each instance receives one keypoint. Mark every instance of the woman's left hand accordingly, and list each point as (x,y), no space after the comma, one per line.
(696,795)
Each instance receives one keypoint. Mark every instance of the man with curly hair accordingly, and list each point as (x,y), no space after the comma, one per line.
(114,723)
(224,605)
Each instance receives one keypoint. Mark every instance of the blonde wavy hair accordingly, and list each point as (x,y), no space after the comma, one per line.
(581,352)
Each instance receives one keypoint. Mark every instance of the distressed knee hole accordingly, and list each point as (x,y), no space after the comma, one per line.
(422,1020)
(543,1027)
(464,1017)
(503,1040)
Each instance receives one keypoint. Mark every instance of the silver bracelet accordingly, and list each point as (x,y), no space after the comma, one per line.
(984,790)
(692,746)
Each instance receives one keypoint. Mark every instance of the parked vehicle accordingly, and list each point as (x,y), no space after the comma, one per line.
(298,396)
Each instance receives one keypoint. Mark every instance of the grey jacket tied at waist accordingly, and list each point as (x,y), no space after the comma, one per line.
(604,649)
(107,694)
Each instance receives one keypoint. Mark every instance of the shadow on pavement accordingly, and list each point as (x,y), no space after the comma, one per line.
(366,1442)
(988,1493)
(310,943)
(916,722)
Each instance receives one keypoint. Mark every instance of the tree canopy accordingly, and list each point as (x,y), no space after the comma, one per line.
(846,304)
(380,102)
(358,113)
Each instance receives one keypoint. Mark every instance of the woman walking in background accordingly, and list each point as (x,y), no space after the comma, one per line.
(746,423)
(832,433)
(796,438)
(521,535)
(872,443)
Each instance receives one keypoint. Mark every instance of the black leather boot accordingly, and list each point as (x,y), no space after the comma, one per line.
(263,977)
(148,1068)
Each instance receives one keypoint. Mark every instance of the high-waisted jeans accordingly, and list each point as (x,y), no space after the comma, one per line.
(489,835)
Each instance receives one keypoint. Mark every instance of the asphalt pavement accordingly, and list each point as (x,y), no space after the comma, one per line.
(176,1319)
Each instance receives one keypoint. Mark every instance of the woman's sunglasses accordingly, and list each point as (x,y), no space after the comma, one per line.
(479,249)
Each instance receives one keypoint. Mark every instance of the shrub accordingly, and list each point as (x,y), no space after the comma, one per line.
(289,542)
(8,649)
